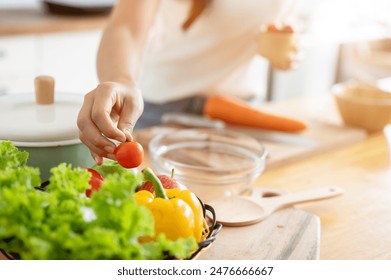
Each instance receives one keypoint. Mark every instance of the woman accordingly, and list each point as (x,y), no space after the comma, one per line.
(167,55)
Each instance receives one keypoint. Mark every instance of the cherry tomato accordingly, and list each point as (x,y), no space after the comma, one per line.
(129,154)
(95,181)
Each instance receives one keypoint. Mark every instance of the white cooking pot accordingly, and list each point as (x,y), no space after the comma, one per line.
(45,126)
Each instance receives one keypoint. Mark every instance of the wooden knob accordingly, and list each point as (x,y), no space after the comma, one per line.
(44,90)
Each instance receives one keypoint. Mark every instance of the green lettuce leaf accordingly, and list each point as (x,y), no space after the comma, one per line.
(62,223)
(13,169)
(10,156)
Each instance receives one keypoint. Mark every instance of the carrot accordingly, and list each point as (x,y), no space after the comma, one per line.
(235,111)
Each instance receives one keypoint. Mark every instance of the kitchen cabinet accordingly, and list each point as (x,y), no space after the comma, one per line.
(18,63)
(13,49)
(33,42)
(368,60)
(71,59)
(68,56)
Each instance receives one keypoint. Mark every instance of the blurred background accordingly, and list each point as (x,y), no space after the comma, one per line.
(340,40)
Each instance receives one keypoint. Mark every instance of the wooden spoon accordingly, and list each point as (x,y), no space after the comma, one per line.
(247,210)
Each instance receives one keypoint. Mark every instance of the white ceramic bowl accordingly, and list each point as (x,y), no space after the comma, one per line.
(210,162)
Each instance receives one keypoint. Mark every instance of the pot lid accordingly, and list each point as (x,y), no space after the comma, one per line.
(40,117)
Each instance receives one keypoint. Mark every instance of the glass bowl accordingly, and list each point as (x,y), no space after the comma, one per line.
(212,163)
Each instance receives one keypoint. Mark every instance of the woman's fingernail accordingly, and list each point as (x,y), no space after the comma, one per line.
(98,160)
(109,149)
(121,139)
(128,134)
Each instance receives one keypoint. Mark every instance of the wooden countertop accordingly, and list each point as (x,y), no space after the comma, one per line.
(37,21)
(355,226)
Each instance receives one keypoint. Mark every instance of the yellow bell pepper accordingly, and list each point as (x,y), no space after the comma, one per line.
(177,213)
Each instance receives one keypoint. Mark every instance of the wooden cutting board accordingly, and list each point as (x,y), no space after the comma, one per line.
(326,136)
(288,234)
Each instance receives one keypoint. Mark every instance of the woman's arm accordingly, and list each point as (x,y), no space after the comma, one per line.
(124,39)
(113,107)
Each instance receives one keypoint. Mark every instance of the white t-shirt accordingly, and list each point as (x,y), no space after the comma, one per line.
(217,53)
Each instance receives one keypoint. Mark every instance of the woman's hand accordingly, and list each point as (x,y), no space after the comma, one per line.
(279,47)
(110,111)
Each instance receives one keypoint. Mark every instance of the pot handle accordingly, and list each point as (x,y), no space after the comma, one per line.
(44,90)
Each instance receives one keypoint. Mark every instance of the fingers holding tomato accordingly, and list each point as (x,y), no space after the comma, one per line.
(129,154)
